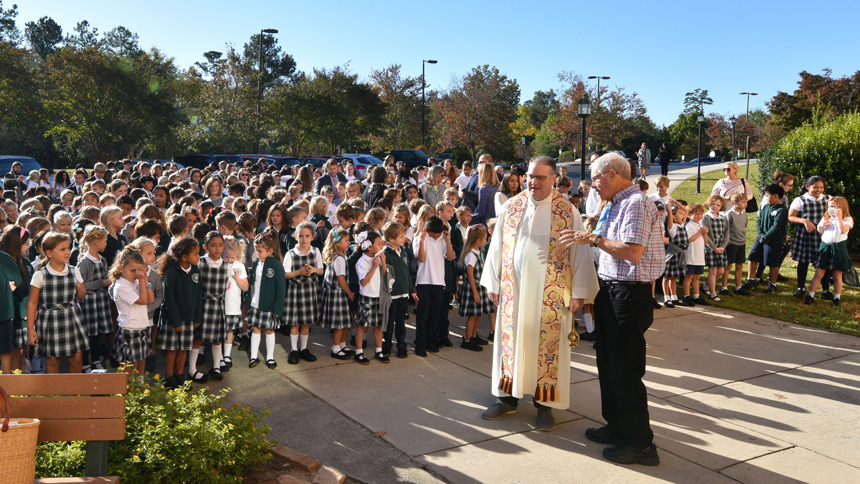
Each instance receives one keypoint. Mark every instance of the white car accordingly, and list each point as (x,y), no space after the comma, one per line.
(362,161)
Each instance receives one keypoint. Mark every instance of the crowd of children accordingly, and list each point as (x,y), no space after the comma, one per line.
(185,262)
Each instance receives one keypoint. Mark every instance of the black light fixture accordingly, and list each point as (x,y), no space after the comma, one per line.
(260,79)
(583,109)
(423,106)
(734,122)
(700,120)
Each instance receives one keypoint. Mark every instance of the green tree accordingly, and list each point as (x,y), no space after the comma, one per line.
(695,101)
(122,42)
(84,36)
(401,98)
(23,122)
(278,67)
(540,106)
(8,30)
(477,111)
(817,95)
(43,36)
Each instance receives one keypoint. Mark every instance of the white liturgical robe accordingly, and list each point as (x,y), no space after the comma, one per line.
(530,266)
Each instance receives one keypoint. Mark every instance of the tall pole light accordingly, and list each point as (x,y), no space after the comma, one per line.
(746,121)
(260,80)
(597,103)
(423,106)
(583,109)
(700,119)
(734,122)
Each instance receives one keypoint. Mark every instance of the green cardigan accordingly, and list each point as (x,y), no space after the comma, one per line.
(273,287)
(183,296)
(9,272)
(399,266)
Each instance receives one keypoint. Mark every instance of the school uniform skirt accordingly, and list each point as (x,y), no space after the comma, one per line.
(171,340)
(132,345)
(60,328)
(368,315)
(20,340)
(262,319)
(468,305)
(335,308)
(233,322)
(676,266)
(95,307)
(212,328)
(834,257)
(302,303)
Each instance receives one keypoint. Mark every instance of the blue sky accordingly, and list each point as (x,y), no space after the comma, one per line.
(659,49)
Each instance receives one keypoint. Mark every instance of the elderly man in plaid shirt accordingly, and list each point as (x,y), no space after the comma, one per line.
(632,255)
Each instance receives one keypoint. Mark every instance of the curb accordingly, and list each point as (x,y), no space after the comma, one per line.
(320,474)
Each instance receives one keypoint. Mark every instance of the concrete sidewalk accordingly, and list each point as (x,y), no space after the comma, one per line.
(733,398)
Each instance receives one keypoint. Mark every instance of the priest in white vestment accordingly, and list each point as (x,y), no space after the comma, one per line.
(538,285)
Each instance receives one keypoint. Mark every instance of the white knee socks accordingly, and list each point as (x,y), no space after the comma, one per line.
(217,360)
(255,344)
(270,346)
(192,361)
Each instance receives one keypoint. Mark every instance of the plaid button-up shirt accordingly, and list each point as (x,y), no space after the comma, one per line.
(632,218)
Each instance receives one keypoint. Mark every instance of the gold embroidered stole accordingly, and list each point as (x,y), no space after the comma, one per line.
(556,296)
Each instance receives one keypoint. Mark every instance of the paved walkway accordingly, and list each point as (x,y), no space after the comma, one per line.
(733,398)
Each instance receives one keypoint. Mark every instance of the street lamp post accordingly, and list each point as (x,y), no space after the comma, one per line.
(260,80)
(747,120)
(734,122)
(700,119)
(524,148)
(423,83)
(583,110)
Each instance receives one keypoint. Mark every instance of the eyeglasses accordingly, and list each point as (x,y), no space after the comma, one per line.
(540,178)
(727,169)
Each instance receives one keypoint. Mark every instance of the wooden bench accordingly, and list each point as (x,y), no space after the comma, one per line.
(87,407)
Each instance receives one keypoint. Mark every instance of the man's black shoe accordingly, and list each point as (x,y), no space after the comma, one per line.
(625,454)
(600,435)
(587,336)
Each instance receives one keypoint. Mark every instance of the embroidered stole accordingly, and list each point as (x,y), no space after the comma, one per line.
(556,296)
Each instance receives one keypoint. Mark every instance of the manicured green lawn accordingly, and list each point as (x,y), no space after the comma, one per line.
(780,305)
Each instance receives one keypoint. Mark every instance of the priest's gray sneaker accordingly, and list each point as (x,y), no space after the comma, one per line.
(498,410)
(545,420)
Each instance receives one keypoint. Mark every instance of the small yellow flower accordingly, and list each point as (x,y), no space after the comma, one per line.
(146,392)
(157,377)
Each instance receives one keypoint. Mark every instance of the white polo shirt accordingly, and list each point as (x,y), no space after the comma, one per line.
(432,270)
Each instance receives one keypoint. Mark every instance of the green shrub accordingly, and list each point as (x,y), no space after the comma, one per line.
(172,436)
(829,148)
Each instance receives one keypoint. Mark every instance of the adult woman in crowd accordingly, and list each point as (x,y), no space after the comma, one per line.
(450,170)
(510,186)
(488,185)
(732,183)
(665,157)
(643,158)
(214,191)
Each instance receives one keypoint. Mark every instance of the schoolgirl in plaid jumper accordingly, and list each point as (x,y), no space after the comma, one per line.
(336,294)
(474,299)
(676,262)
(369,269)
(182,309)
(266,296)
(15,242)
(131,291)
(96,304)
(806,211)
(214,276)
(55,324)
(302,267)
(715,248)
(234,247)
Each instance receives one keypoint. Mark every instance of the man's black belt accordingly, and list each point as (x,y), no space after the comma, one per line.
(624,283)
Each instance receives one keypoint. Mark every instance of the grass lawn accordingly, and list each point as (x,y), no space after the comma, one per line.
(780,305)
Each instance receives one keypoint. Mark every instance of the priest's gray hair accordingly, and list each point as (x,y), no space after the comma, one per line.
(612,161)
(545,160)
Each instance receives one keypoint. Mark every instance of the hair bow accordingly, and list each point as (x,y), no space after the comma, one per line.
(475,226)
(361,238)
(336,237)
(365,244)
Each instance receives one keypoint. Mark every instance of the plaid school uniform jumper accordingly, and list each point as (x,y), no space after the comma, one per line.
(718,231)
(676,264)
(213,285)
(805,249)
(60,322)
(335,304)
(302,303)
(96,304)
(468,305)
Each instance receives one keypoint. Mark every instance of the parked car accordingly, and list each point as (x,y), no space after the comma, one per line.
(30,164)
(708,159)
(412,158)
(440,157)
(362,162)
(202,160)
(278,160)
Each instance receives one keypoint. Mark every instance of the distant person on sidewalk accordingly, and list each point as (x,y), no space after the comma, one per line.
(631,256)
(643,157)
(523,266)
(665,157)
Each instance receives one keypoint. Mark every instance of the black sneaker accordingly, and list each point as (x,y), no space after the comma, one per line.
(625,454)
(420,350)
(669,304)
(471,346)
(586,336)
(446,343)
(306,355)
(491,336)
(827,296)
(762,282)
(808,300)
(742,292)
(836,301)
(601,435)
(700,301)
(724,292)
(480,341)
(380,357)
(293,358)
(769,289)
(800,293)
(402,353)
(781,278)
(359,357)
(432,348)
(687,301)
(750,283)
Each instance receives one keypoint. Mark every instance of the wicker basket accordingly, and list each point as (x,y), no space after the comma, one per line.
(17,446)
